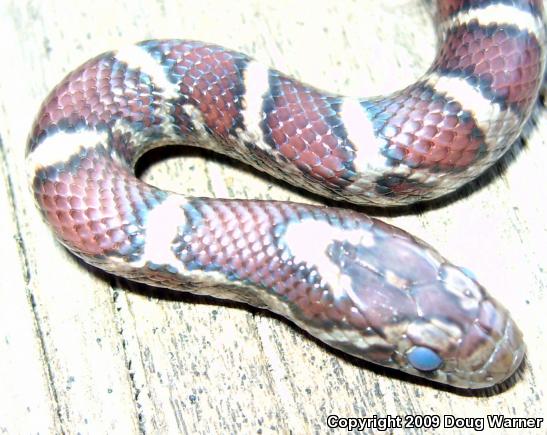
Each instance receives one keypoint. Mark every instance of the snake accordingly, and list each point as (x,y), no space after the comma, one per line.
(353,282)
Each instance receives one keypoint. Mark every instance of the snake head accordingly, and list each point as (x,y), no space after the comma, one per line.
(463,337)
(418,313)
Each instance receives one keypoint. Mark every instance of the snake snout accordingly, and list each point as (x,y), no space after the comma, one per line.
(508,355)
(508,351)
(492,348)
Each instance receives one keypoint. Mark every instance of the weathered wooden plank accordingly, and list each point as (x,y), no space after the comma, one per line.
(82,352)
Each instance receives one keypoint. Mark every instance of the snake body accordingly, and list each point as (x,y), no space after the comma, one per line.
(357,284)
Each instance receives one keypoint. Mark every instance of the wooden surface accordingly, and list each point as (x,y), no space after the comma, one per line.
(82,352)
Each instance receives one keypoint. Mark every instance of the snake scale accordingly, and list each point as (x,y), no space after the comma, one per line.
(355,283)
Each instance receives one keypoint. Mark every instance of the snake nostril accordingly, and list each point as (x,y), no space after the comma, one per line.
(424,359)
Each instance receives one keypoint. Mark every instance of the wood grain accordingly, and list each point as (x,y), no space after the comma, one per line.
(82,352)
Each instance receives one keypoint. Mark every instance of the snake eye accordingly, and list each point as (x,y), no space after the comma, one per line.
(424,359)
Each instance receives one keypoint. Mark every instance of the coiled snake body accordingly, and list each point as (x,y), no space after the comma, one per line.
(354,282)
